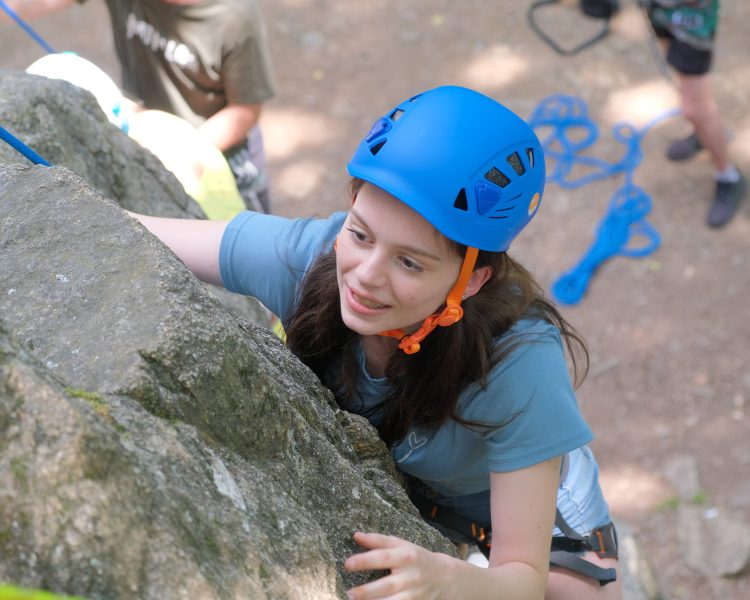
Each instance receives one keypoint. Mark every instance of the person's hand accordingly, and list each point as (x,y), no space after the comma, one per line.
(414,572)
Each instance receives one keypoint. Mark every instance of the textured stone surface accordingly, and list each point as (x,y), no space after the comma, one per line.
(65,125)
(716,542)
(153,442)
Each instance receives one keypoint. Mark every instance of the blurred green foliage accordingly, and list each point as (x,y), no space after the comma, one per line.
(9,592)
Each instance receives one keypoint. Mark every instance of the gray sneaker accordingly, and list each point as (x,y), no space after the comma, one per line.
(727,199)
(685,148)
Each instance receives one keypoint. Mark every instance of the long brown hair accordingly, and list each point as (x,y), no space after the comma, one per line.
(426,386)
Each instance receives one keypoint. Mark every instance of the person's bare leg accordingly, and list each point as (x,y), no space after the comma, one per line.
(700,108)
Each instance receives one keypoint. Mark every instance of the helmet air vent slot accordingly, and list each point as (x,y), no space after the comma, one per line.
(396,115)
(461,203)
(376,148)
(530,156)
(495,176)
(379,128)
(515,161)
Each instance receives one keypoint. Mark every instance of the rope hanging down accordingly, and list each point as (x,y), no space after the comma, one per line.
(625,219)
(18,145)
(23,25)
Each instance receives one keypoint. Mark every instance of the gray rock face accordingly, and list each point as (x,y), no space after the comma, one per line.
(65,125)
(639,580)
(153,443)
(716,542)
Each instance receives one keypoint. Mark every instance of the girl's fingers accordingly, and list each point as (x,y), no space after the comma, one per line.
(390,587)
(377,540)
(385,552)
(374,560)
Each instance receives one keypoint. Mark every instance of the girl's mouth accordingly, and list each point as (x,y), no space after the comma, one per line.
(362,301)
(368,303)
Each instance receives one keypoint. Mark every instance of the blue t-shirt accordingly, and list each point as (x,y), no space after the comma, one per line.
(529,392)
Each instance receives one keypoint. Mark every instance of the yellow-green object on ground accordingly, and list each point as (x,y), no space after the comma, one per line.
(8,592)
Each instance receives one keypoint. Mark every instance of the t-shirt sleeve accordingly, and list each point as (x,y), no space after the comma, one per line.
(544,420)
(267,256)
(247,72)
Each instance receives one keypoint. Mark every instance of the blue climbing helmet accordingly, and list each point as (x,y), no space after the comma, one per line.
(468,165)
(471,167)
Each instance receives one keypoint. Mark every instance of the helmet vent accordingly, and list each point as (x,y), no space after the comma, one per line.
(376,148)
(515,161)
(396,115)
(495,176)
(507,209)
(461,203)
(530,156)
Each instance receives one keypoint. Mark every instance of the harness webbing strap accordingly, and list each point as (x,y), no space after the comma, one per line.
(602,540)
(567,560)
(565,550)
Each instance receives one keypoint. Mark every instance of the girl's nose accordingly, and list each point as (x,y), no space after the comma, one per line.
(371,270)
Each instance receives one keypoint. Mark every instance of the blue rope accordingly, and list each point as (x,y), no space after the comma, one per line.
(14,142)
(23,25)
(625,219)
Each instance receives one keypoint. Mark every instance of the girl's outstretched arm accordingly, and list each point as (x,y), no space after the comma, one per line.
(195,242)
(523,513)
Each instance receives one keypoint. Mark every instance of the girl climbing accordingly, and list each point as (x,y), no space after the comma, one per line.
(409,308)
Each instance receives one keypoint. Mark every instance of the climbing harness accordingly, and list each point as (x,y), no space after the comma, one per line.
(567,547)
(23,25)
(22,148)
(565,550)
(598,9)
(626,218)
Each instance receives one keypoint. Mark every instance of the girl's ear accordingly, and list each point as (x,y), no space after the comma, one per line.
(478,278)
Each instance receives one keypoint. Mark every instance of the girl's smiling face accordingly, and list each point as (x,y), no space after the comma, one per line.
(393,268)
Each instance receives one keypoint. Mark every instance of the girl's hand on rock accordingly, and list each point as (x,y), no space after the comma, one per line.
(415,573)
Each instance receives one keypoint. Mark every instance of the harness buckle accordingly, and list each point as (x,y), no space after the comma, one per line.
(603,541)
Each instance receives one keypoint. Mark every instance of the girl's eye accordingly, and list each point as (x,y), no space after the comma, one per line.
(357,235)
(411,265)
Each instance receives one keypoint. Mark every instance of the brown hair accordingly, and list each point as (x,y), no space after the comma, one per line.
(426,386)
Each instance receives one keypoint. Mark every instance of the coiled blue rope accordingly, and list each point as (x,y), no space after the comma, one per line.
(625,219)
(18,145)
(23,25)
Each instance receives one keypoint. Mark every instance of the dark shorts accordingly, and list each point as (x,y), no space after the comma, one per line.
(683,57)
(690,29)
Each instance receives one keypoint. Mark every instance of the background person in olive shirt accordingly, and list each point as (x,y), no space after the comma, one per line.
(206,61)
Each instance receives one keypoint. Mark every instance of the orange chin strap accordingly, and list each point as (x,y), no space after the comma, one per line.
(452,313)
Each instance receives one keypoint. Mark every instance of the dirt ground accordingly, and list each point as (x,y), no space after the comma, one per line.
(668,333)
